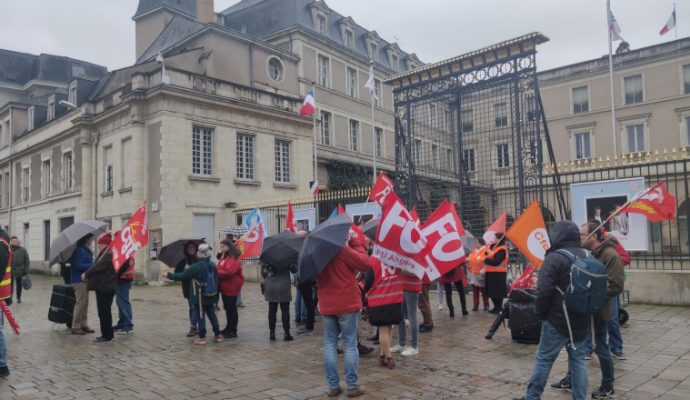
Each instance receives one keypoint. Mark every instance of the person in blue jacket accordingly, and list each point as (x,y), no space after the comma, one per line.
(81,260)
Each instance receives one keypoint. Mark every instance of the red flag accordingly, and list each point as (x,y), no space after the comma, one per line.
(381,190)
(251,243)
(4,309)
(415,216)
(341,210)
(290,220)
(657,204)
(443,230)
(499,226)
(399,240)
(130,238)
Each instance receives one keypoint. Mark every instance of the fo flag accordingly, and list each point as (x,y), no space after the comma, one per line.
(251,243)
(400,242)
(529,234)
(382,189)
(656,203)
(443,231)
(131,238)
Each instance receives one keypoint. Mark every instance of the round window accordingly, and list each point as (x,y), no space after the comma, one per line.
(275,69)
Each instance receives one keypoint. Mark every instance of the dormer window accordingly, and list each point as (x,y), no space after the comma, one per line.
(347,31)
(412,62)
(319,15)
(393,53)
(51,108)
(372,40)
(31,113)
(374,51)
(349,39)
(321,24)
(72,94)
(395,62)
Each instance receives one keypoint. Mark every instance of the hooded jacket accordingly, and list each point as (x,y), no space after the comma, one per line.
(555,273)
(338,290)
(608,255)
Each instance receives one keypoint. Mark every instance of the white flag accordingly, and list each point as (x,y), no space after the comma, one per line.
(615,29)
(371,83)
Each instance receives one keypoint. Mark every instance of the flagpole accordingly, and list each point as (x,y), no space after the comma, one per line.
(621,208)
(675,21)
(373,129)
(313,88)
(613,100)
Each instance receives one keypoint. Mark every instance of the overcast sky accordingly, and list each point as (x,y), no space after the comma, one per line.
(102,31)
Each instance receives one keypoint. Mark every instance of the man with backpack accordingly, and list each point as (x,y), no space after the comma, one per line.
(604,249)
(204,292)
(559,327)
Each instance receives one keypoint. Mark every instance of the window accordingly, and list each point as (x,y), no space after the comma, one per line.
(326,123)
(202,151)
(635,138)
(580,99)
(67,172)
(434,155)
(72,93)
(31,113)
(468,160)
(686,79)
(282,161)
(275,69)
(433,115)
(324,71)
(379,141)
(354,135)
(687,131)
(245,156)
(321,24)
(125,154)
(108,169)
(8,201)
(502,156)
(501,114)
(583,149)
(449,159)
(467,119)
(45,179)
(351,82)
(633,89)
(418,152)
(349,39)
(26,184)
(5,133)
(374,51)
(395,61)
(446,120)
(51,109)
(377,93)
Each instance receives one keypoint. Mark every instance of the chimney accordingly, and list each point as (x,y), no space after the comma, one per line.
(204,11)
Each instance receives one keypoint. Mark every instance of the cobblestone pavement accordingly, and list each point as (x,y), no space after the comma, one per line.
(455,361)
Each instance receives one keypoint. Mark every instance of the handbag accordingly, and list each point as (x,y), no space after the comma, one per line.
(26,282)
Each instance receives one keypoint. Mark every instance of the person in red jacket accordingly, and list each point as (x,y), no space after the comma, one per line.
(340,301)
(231,281)
(384,287)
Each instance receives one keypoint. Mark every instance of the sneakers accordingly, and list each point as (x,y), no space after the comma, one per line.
(397,348)
(200,341)
(192,332)
(218,338)
(305,332)
(407,323)
(619,355)
(440,306)
(123,331)
(588,356)
(603,393)
(355,392)
(409,352)
(563,385)
(334,392)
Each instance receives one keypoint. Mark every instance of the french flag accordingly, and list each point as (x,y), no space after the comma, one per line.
(309,106)
(670,24)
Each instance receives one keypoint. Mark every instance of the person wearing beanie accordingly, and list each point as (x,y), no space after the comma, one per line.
(102,279)
(203,293)
(81,260)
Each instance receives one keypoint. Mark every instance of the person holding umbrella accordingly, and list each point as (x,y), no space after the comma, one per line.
(102,279)
(81,260)
(190,250)
(231,281)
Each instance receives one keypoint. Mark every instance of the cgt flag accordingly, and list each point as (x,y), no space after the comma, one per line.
(529,234)
(443,231)
(657,204)
(131,238)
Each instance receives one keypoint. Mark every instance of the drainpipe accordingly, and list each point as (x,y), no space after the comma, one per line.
(94,175)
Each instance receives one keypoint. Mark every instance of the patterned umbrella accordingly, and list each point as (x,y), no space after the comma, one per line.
(235,231)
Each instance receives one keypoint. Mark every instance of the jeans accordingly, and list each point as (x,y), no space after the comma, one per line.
(300,307)
(231,317)
(210,311)
(602,351)
(3,344)
(615,338)
(124,306)
(193,314)
(345,325)
(550,345)
(104,304)
(409,309)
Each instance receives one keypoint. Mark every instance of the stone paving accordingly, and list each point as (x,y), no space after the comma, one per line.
(455,361)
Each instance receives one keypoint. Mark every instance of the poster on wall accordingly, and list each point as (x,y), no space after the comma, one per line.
(363,212)
(305,219)
(598,200)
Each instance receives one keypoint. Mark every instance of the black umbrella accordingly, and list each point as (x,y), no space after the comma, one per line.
(281,250)
(322,244)
(371,227)
(173,253)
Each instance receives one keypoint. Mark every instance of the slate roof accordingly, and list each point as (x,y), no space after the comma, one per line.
(177,30)
(20,68)
(187,7)
(264,17)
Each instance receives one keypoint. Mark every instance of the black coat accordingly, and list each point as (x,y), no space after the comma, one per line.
(180,268)
(555,272)
(101,276)
(495,282)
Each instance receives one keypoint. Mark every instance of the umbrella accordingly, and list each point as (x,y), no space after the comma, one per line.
(235,231)
(370,227)
(469,242)
(281,250)
(63,246)
(173,253)
(322,244)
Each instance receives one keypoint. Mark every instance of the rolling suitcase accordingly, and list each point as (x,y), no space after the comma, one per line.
(61,304)
(525,326)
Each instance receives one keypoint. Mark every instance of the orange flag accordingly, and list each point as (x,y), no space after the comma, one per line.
(529,234)
(499,226)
